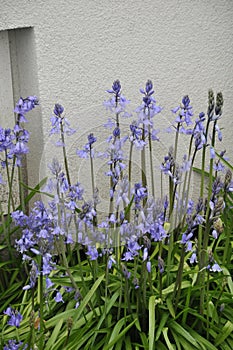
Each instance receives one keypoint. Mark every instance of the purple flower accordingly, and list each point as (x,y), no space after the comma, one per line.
(13,345)
(58,109)
(87,148)
(185,112)
(215,268)
(116,88)
(6,139)
(149,88)
(2,182)
(160,265)
(148,107)
(15,317)
(111,261)
(23,106)
(91,139)
(60,124)
(25,242)
(193,258)
(136,131)
(49,283)
(92,253)
(212,153)
(47,264)
(58,298)
(116,132)
(19,218)
(148,266)
(139,193)
(110,124)
(186,240)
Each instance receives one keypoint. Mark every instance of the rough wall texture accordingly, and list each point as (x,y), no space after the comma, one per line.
(185,47)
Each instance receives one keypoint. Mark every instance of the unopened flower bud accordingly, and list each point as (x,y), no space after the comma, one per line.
(116,132)
(228,178)
(210,103)
(218,225)
(149,86)
(160,264)
(219,104)
(69,323)
(58,109)
(116,86)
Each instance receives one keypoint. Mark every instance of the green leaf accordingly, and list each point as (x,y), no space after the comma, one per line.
(170,289)
(128,345)
(105,312)
(229,279)
(153,301)
(116,334)
(162,323)
(127,209)
(88,296)
(36,189)
(226,331)
(167,340)
(199,171)
(55,334)
(182,332)
(144,340)
(176,339)
(201,340)
(211,309)
(224,161)
(170,307)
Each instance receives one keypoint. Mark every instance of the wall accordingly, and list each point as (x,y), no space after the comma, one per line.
(80,47)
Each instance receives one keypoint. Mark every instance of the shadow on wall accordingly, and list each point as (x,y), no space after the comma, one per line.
(19,78)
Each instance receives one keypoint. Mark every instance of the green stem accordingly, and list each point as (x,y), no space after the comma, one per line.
(143,165)
(129,178)
(93,186)
(177,289)
(41,343)
(151,164)
(64,151)
(207,308)
(201,251)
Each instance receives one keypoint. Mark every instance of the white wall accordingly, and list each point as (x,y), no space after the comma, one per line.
(185,47)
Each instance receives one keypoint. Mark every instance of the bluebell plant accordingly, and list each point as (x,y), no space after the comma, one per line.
(147,244)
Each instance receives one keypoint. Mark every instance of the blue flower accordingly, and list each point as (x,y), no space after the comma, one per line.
(92,253)
(185,112)
(91,139)
(13,345)
(58,109)
(15,317)
(23,106)
(116,88)
(193,258)
(215,268)
(58,298)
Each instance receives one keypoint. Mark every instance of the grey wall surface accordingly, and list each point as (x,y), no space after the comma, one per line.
(77,48)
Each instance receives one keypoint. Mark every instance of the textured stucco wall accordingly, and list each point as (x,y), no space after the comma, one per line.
(185,47)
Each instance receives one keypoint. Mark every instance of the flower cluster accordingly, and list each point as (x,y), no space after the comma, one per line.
(14,143)
(15,317)
(139,236)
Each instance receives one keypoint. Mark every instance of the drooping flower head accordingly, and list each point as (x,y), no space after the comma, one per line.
(184,112)
(15,317)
